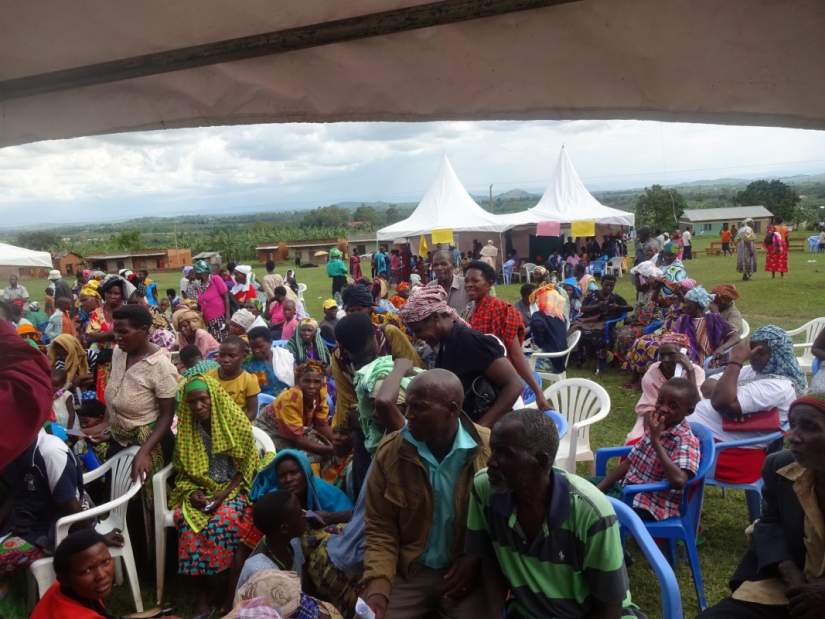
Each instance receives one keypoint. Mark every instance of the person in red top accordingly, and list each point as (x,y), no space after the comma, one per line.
(496,317)
(244,289)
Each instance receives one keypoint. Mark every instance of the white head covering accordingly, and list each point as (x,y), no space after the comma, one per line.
(244,268)
(54,274)
(243,318)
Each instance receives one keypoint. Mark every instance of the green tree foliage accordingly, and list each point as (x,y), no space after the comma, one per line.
(659,208)
(127,239)
(41,241)
(392,214)
(327,216)
(778,197)
(367,215)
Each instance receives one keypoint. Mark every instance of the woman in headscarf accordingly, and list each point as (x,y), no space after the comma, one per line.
(707,332)
(548,324)
(402,293)
(90,299)
(773,380)
(673,271)
(724,297)
(571,287)
(32,336)
(190,328)
(100,330)
(213,298)
(299,416)
(66,351)
(745,249)
(244,289)
(307,344)
(215,460)
(243,321)
(645,312)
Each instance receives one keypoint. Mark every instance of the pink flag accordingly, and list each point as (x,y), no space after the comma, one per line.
(548,228)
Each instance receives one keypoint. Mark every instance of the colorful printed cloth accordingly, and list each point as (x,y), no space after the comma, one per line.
(16,553)
(783,359)
(330,583)
(210,550)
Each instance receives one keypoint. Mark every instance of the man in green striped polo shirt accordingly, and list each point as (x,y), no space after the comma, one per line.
(554,534)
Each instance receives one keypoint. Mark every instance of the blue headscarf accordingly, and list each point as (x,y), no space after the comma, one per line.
(574,284)
(783,359)
(699,296)
(321,495)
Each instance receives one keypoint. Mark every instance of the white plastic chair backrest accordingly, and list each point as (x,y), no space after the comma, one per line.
(809,332)
(578,399)
(529,267)
(615,262)
(746,329)
(121,479)
(302,288)
(263,443)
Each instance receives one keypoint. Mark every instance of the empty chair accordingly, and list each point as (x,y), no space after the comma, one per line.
(615,266)
(807,333)
(528,268)
(544,369)
(122,489)
(582,403)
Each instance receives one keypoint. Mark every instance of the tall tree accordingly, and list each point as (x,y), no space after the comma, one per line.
(327,216)
(128,240)
(366,214)
(392,214)
(659,208)
(41,240)
(778,197)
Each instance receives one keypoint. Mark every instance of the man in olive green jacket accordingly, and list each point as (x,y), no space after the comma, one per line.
(416,508)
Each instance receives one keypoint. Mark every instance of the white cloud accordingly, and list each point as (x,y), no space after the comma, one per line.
(299,165)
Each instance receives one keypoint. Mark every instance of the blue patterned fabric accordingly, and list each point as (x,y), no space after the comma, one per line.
(783,359)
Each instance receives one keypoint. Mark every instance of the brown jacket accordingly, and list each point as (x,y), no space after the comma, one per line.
(399,506)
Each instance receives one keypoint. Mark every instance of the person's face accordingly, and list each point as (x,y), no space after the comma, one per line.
(311,384)
(91,572)
(607,286)
(279,297)
(289,311)
(59,352)
(58,381)
(672,404)
(291,477)
(475,285)
(668,353)
(307,334)
(668,257)
(723,302)
(366,355)
(230,358)
(240,277)
(693,309)
(331,313)
(187,328)
(261,349)
(760,355)
(129,338)
(114,297)
(807,436)
(236,329)
(443,268)
(429,416)
(204,277)
(295,524)
(200,404)
(143,274)
(253,308)
(13,281)
(649,252)
(426,330)
(509,464)
(164,304)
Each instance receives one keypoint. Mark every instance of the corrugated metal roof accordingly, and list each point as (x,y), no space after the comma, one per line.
(137,254)
(725,214)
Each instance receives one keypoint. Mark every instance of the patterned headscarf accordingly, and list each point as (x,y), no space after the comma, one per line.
(243,318)
(201,267)
(669,248)
(91,289)
(298,347)
(424,302)
(783,359)
(402,287)
(549,301)
(231,434)
(309,367)
(726,290)
(687,283)
(76,361)
(194,318)
(680,339)
(700,296)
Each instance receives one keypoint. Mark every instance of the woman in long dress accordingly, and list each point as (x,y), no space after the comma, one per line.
(745,250)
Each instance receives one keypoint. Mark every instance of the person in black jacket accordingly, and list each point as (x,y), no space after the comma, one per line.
(783,572)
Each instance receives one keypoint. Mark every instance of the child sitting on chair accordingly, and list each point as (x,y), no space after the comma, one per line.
(668,451)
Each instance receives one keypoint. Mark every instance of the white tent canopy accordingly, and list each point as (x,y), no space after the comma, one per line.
(566,199)
(12,256)
(445,205)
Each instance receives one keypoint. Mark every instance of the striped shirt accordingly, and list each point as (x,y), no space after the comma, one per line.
(575,560)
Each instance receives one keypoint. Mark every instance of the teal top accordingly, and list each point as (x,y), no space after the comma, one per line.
(336,268)
(443,477)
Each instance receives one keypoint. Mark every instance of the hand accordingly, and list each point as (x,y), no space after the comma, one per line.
(806,601)
(378,603)
(683,360)
(459,578)
(141,465)
(542,403)
(654,424)
(214,503)
(198,499)
(741,353)
(114,538)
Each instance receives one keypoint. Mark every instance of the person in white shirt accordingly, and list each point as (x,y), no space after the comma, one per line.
(773,380)
(14,291)
(687,247)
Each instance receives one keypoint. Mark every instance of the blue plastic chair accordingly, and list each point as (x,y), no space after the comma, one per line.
(279,343)
(671,598)
(560,421)
(610,323)
(264,399)
(597,267)
(527,395)
(685,526)
(815,366)
(653,326)
(753,490)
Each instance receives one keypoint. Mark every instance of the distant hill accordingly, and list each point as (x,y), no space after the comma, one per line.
(515,194)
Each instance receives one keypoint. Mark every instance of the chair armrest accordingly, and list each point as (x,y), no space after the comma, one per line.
(796,331)
(98,472)
(746,442)
(63,525)
(551,355)
(604,454)
(803,345)
(633,489)
(615,320)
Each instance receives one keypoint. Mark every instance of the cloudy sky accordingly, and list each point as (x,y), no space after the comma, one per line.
(281,167)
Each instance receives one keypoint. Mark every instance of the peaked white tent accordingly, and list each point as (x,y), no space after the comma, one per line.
(566,199)
(445,205)
(12,256)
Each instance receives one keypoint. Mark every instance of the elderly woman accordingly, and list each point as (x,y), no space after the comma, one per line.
(191,330)
(298,418)
(307,344)
(243,321)
(99,330)
(490,382)
(724,297)
(745,240)
(215,460)
(244,289)
(90,299)
(493,316)
(599,307)
(213,298)
(708,334)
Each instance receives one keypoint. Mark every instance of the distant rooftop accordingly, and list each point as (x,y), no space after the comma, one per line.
(729,213)
(131,254)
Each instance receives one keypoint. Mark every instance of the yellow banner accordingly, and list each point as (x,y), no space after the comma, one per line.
(422,245)
(582,228)
(442,235)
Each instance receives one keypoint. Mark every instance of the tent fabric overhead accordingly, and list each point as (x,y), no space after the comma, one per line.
(566,199)
(12,256)
(737,62)
(445,205)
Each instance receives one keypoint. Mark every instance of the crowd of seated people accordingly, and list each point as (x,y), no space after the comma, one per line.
(406,473)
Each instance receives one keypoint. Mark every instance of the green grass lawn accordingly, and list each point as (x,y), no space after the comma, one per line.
(787,303)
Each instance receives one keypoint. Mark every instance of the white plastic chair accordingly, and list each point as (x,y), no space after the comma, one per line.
(528,268)
(164,517)
(536,354)
(302,288)
(746,330)
(614,265)
(122,491)
(810,330)
(583,403)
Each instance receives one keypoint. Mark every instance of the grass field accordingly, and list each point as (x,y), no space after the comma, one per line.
(787,303)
